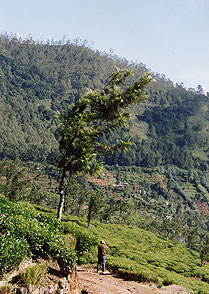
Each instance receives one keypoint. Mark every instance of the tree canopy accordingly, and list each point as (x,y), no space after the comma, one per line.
(96,114)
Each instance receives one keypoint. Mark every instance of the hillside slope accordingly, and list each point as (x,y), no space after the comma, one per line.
(164,174)
(39,80)
(133,253)
(140,255)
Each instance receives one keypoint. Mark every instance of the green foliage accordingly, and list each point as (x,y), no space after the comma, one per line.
(85,241)
(16,183)
(204,249)
(96,203)
(133,254)
(140,277)
(37,80)
(12,252)
(40,80)
(25,232)
(77,194)
(94,115)
(140,255)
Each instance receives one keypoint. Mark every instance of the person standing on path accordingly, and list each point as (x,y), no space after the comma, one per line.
(102,248)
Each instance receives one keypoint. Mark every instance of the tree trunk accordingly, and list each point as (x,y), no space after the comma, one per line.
(62,195)
(89,215)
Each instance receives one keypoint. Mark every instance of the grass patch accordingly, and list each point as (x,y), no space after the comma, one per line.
(32,275)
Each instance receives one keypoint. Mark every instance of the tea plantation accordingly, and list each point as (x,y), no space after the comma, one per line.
(25,232)
(140,255)
(31,231)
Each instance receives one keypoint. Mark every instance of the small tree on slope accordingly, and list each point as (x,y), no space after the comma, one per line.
(85,123)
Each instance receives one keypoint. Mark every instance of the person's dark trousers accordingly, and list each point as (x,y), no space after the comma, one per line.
(101,262)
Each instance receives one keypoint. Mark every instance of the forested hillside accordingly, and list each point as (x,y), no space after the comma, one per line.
(40,80)
(169,156)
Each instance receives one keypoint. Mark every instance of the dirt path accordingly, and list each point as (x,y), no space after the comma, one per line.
(95,283)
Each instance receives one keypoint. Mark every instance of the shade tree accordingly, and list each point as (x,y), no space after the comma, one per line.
(85,123)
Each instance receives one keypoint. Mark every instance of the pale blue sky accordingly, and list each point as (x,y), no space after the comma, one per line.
(170,37)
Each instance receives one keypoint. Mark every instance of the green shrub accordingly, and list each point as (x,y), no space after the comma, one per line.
(12,252)
(141,276)
(160,283)
(205,277)
(140,255)
(39,235)
(168,281)
(85,242)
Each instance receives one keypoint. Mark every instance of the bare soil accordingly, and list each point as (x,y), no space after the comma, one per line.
(100,182)
(96,283)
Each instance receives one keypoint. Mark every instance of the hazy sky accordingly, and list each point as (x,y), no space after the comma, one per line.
(170,37)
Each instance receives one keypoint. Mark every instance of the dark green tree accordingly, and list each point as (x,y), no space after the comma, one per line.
(76,195)
(85,123)
(172,227)
(16,184)
(126,207)
(96,202)
(204,249)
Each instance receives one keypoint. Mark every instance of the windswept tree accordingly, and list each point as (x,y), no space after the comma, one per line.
(85,123)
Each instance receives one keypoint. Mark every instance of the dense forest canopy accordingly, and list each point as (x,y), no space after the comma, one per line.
(38,80)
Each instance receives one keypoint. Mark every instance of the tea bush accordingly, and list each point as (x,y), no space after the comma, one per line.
(12,252)
(85,242)
(141,255)
(133,253)
(25,232)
